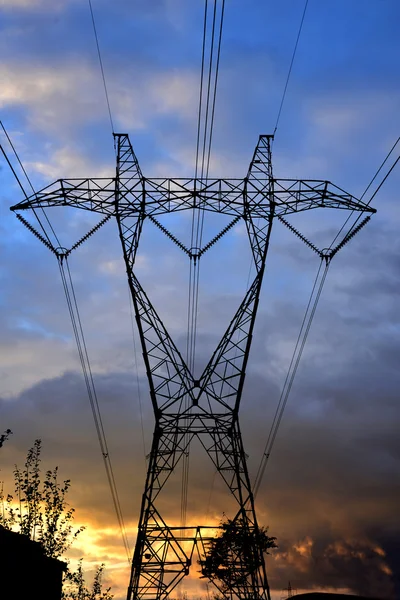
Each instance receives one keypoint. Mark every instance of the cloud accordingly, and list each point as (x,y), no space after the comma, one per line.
(66,162)
(69,93)
(35,4)
(357,566)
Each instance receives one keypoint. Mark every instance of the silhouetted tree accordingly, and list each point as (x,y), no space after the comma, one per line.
(4,436)
(75,586)
(230,557)
(41,512)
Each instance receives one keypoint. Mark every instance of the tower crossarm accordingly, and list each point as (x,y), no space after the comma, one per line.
(226,196)
(233,196)
(298,195)
(94,195)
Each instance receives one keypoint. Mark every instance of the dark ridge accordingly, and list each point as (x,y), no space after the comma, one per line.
(329,596)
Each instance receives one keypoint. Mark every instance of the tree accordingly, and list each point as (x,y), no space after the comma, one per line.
(4,436)
(230,556)
(75,587)
(41,512)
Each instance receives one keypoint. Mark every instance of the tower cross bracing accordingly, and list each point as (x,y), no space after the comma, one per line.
(186,407)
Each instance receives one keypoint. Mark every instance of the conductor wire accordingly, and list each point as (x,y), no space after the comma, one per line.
(30,184)
(101,66)
(72,304)
(290,67)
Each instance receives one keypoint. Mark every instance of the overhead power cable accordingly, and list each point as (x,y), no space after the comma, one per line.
(192,281)
(209,71)
(290,67)
(292,370)
(92,393)
(101,66)
(207,153)
(308,317)
(30,185)
(201,90)
(80,340)
(215,88)
(368,187)
(210,93)
(383,180)
(13,171)
(379,170)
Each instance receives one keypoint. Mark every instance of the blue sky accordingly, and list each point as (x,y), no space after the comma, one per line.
(330,494)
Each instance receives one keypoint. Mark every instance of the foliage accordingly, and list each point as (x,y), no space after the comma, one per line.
(75,587)
(41,512)
(230,556)
(4,436)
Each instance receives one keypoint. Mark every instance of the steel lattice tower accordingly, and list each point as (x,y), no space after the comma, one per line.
(186,407)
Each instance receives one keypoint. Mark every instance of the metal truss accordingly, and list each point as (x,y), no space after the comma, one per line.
(184,406)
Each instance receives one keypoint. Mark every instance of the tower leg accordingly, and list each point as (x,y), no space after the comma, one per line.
(161,558)
(235,560)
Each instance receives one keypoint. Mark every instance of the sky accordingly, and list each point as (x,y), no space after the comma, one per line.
(331,489)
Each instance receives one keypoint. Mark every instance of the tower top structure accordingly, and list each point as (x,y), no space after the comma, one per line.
(207,406)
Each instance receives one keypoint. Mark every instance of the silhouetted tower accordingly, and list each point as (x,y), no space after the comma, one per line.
(289,592)
(185,406)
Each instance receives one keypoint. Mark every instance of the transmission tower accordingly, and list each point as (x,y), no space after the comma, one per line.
(185,406)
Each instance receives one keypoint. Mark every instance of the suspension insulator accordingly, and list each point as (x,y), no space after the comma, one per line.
(169,235)
(301,236)
(90,233)
(36,233)
(349,236)
(219,236)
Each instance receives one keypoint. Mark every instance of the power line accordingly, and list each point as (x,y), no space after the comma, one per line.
(193,277)
(81,345)
(291,373)
(289,377)
(368,187)
(83,355)
(206,151)
(101,66)
(13,171)
(18,159)
(210,69)
(383,180)
(379,170)
(306,325)
(30,184)
(76,321)
(290,67)
(201,89)
(200,228)
(215,86)
(207,91)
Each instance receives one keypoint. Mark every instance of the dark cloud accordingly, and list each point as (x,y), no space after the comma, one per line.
(354,565)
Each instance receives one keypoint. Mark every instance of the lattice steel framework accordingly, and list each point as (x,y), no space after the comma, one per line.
(186,407)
